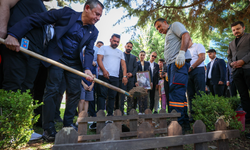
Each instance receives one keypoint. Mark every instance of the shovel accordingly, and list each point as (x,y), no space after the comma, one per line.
(48,60)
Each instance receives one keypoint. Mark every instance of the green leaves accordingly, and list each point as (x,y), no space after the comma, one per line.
(17,119)
(209,108)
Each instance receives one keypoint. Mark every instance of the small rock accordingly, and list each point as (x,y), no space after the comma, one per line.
(213,147)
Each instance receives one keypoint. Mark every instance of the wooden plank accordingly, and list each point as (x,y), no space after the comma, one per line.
(82,126)
(145,130)
(199,127)
(82,138)
(110,132)
(66,135)
(101,118)
(175,129)
(221,144)
(133,122)
(163,121)
(148,119)
(99,124)
(174,112)
(155,116)
(118,123)
(156,142)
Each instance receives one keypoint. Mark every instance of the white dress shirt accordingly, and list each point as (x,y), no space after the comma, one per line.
(211,67)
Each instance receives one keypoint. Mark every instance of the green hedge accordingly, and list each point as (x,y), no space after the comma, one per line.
(209,108)
(16,118)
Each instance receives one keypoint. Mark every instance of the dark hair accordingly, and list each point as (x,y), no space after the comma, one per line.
(100,42)
(211,51)
(142,52)
(161,60)
(236,23)
(93,3)
(154,52)
(130,43)
(161,20)
(116,35)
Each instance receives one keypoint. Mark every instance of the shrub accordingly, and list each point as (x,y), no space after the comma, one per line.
(16,118)
(209,108)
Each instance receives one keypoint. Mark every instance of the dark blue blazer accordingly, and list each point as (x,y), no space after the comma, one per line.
(63,18)
(218,71)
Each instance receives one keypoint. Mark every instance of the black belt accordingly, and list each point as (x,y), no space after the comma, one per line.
(188,60)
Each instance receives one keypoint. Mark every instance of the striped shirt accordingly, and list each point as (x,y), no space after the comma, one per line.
(173,42)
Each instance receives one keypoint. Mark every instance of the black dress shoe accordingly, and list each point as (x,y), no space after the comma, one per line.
(72,125)
(191,120)
(155,112)
(49,134)
(248,135)
(58,120)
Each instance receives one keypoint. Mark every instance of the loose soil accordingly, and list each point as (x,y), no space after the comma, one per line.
(138,91)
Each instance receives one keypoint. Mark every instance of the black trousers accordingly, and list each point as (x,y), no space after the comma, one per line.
(152,98)
(196,83)
(92,109)
(104,92)
(241,79)
(38,90)
(20,69)
(233,89)
(216,89)
(73,90)
(166,88)
(2,47)
(59,98)
(130,100)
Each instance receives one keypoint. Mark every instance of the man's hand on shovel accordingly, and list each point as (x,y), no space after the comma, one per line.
(90,77)
(12,43)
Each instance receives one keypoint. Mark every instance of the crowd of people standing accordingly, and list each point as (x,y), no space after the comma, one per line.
(181,70)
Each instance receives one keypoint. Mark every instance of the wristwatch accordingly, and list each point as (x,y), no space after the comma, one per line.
(191,67)
(124,76)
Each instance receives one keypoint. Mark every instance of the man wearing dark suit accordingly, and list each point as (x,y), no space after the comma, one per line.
(19,69)
(230,81)
(239,59)
(131,72)
(74,30)
(154,74)
(216,74)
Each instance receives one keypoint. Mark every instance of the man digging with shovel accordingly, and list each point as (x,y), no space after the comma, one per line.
(73,31)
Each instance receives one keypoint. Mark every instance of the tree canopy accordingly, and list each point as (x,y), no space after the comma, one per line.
(203,15)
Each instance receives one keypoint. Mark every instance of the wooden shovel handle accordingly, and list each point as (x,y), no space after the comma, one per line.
(48,60)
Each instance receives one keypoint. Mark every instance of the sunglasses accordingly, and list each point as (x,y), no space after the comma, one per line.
(154,56)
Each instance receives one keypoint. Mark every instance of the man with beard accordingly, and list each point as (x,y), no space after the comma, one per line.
(239,60)
(216,74)
(109,59)
(131,72)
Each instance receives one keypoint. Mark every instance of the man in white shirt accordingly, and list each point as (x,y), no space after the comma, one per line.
(216,74)
(196,73)
(109,59)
